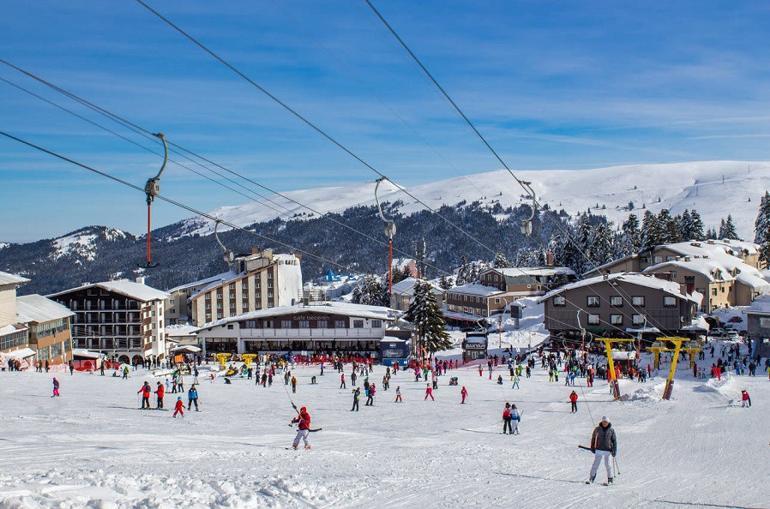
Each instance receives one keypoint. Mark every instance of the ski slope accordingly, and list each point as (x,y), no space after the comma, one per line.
(93,448)
(714,188)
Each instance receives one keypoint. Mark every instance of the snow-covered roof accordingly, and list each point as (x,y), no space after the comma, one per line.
(128,288)
(10,329)
(202,282)
(329,308)
(86,354)
(475,289)
(21,353)
(36,308)
(11,279)
(180,330)
(406,287)
(534,271)
(720,268)
(760,306)
(669,287)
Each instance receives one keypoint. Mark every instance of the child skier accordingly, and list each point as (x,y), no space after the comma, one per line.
(463,395)
(179,407)
(370,395)
(573,397)
(515,419)
(303,419)
(745,399)
(428,393)
(55,388)
(398,395)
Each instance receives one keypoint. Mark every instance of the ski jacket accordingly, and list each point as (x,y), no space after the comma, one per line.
(160,391)
(55,383)
(179,405)
(515,415)
(145,390)
(464,392)
(573,397)
(507,414)
(745,396)
(192,394)
(303,419)
(603,439)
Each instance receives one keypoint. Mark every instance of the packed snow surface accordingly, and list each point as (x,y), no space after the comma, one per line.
(714,188)
(92,447)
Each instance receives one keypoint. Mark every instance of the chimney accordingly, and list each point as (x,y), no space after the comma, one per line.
(140,280)
(549,258)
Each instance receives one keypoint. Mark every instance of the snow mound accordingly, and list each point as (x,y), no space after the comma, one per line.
(649,393)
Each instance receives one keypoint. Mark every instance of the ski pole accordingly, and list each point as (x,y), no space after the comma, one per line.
(615,462)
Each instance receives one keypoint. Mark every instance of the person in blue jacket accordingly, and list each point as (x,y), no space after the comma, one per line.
(192,398)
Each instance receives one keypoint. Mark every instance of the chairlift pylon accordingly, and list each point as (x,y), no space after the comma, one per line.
(151,190)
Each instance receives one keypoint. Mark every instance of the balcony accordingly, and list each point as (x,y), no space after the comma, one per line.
(329,334)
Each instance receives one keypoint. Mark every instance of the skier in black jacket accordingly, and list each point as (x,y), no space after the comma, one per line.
(603,444)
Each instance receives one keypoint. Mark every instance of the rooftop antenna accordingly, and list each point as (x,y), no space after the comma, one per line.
(229,256)
(390,232)
(151,190)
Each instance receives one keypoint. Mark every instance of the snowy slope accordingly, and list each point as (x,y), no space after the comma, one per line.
(93,448)
(675,186)
(82,243)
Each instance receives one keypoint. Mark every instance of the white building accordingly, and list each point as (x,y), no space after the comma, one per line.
(260,280)
(321,327)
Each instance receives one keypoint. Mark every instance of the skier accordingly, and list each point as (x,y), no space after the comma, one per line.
(192,398)
(125,372)
(463,395)
(356,398)
(353,377)
(515,382)
(145,390)
(481,370)
(398,394)
(507,419)
(179,407)
(343,385)
(293,384)
(55,388)
(603,444)
(159,392)
(303,419)
(515,419)
(745,399)
(428,393)
(573,397)
(370,395)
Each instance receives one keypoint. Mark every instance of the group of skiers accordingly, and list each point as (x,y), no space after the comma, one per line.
(160,391)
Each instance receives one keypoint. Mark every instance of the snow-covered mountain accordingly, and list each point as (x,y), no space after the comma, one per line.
(82,244)
(714,188)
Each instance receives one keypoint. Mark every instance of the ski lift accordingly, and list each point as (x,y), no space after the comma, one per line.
(390,232)
(151,190)
(229,256)
(526,224)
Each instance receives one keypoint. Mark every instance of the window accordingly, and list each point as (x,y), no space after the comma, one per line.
(497,300)
(229,326)
(616,301)
(304,324)
(559,301)
(593,319)
(638,301)
(713,292)
(669,301)
(339,324)
(358,324)
(592,301)
(637,319)
(286,324)
(376,324)
(616,319)
(322,324)
(657,259)
(764,322)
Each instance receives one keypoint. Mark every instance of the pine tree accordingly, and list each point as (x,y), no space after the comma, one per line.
(762,224)
(372,292)
(425,314)
(651,231)
(669,229)
(685,225)
(727,229)
(462,272)
(630,240)
(445,283)
(696,227)
(501,262)
(601,245)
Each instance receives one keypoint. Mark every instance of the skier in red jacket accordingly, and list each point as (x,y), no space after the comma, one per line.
(145,390)
(428,393)
(303,419)
(179,407)
(463,395)
(573,397)
(160,391)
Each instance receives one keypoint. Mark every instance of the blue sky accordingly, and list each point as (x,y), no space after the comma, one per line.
(552,85)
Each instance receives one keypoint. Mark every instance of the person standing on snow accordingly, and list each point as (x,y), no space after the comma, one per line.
(159,392)
(745,399)
(343,385)
(356,399)
(55,388)
(293,384)
(192,398)
(428,393)
(573,397)
(145,390)
(179,407)
(515,419)
(463,395)
(507,419)
(398,395)
(303,419)
(515,382)
(603,444)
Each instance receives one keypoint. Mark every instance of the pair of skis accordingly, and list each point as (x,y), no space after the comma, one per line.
(614,464)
